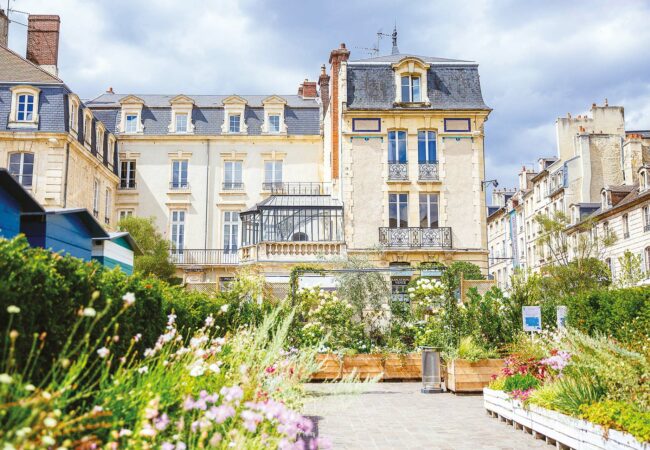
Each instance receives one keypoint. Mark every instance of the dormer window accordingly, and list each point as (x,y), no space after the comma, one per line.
(131,123)
(274,123)
(99,142)
(131,115)
(234,123)
(644,179)
(181,123)
(274,115)
(74,112)
(88,127)
(234,115)
(606,200)
(24,107)
(411,89)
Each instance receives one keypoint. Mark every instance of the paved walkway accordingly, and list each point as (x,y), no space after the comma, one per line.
(397,416)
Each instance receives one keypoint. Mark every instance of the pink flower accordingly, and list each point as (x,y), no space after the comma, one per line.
(220,413)
(232,393)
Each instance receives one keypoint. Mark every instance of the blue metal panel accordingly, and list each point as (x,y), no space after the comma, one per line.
(9,215)
(67,233)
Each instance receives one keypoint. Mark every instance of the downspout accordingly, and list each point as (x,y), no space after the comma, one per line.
(207,193)
(65,182)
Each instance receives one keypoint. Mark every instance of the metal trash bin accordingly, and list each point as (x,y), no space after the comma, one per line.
(431,374)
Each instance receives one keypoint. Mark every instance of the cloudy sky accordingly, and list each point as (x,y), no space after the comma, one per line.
(538,60)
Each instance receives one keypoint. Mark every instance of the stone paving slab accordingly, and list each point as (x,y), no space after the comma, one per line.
(386,416)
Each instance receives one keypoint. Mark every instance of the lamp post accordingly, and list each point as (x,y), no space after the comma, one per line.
(431,377)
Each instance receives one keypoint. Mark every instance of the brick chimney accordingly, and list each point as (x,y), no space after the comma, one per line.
(4,29)
(324,85)
(308,89)
(337,56)
(43,42)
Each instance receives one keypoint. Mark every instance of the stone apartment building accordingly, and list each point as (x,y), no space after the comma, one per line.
(593,152)
(50,141)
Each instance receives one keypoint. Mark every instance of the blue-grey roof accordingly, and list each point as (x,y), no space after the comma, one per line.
(51,108)
(208,114)
(396,57)
(371,86)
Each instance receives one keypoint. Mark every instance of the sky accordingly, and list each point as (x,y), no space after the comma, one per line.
(538,60)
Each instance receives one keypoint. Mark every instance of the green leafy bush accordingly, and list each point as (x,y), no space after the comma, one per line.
(620,416)
(470,350)
(519,382)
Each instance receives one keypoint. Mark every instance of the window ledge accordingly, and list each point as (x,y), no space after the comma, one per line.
(412,104)
(17,124)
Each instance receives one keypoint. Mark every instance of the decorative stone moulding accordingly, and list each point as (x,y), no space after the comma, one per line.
(556,428)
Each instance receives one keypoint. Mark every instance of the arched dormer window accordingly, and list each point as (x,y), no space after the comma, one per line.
(24,107)
(644,178)
(73,107)
(411,82)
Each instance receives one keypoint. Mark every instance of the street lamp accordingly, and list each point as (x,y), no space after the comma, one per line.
(431,377)
(484,183)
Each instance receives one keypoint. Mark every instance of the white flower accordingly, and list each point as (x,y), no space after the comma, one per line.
(411,289)
(48,440)
(209,321)
(5,378)
(129,298)
(30,387)
(125,432)
(143,369)
(197,369)
(13,309)
(171,318)
(89,312)
(137,337)
(224,307)
(103,352)
(149,352)
(214,367)
(50,422)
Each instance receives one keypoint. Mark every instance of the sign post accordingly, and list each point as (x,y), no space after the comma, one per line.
(532,316)
(561,317)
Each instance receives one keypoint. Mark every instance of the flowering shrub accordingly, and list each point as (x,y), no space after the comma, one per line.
(426,297)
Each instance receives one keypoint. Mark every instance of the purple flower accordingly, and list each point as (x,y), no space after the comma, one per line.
(161,422)
(232,393)
(220,413)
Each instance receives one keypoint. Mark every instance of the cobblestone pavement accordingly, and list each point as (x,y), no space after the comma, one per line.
(397,416)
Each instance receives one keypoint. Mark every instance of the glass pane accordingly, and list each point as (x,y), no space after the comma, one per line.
(392,147)
(278,171)
(406,91)
(268,171)
(392,215)
(422,147)
(401,146)
(433,157)
(424,212)
(238,172)
(403,214)
(416,88)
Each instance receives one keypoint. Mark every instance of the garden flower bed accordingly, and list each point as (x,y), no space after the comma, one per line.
(561,429)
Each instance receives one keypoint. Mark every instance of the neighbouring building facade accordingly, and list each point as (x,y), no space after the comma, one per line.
(598,165)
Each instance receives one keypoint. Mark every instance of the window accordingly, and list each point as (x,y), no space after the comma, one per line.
(427,147)
(124,213)
(178,230)
(21,166)
(179,174)
(608,261)
(99,142)
(74,110)
(96,198)
(429,210)
(107,206)
(398,210)
(273,172)
(646,218)
(234,123)
(25,112)
(626,226)
(397,147)
(230,231)
(88,124)
(131,125)
(127,175)
(410,88)
(647,260)
(233,175)
(606,230)
(181,123)
(274,123)
(606,199)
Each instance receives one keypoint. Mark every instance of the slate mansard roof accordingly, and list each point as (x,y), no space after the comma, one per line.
(301,115)
(451,84)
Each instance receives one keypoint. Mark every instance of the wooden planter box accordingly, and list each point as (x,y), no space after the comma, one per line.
(390,366)
(557,428)
(468,377)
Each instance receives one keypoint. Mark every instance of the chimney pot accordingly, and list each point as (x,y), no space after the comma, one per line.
(4,29)
(308,89)
(43,41)
(110,90)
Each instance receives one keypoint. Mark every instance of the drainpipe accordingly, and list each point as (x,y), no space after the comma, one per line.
(65,182)
(207,193)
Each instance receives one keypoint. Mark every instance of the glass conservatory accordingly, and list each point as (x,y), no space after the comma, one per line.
(293,218)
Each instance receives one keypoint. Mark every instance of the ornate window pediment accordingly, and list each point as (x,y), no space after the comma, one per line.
(131,115)
(411,82)
(181,120)
(234,120)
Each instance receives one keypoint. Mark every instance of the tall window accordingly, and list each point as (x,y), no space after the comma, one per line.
(99,142)
(181,123)
(646,218)
(274,123)
(131,125)
(74,109)
(21,166)
(25,111)
(410,88)
(398,210)
(230,231)
(127,175)
(234,123)
(178,230)
(88,124)
(606,230)
(647,259)
(96,198)
(429,210)
(397,147)
(626,226)
(233,175)
(107,206)
(179,174)
(427,147)
(273,172)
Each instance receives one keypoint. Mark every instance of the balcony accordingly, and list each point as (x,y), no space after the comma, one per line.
(233,186)
(428,171)
(398,171)
(294,188)
(415,237)
(204,257)
(127,185)
(303,251)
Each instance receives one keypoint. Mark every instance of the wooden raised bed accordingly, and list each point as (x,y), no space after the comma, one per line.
(471,377)
(388,366)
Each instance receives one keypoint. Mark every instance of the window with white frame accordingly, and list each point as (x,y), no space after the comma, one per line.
(74,114)
(107,206)
(96,197)
(398,210)
(25,112)
(606,230)
(429,210)
(131,123)
(21,167)
(234,123)
(99,142)
(124,213)
(88,128)
(127,174)
(232,175)
(230,231)
(646,218)
(626,226)
(179,174)
(397,147)
(411,88)
(272,174)
(647,260)
(427,147)
(274,123)
(181,122)
(178,230)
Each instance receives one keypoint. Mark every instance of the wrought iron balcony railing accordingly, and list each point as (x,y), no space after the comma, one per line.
(294,188)
(398,171)
(233,186)
(204,257)
(428,171)
(415,237)
(179,186)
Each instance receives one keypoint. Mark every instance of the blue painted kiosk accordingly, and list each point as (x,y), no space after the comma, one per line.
(14,202)
(116,250)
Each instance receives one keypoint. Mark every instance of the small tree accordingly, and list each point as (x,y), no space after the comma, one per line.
(631,269)
(155,248)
